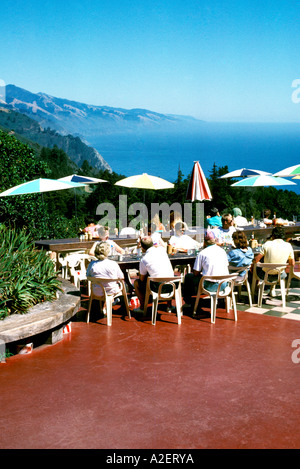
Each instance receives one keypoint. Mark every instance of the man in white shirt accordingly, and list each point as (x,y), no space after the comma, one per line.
(212,260)
(155,263)
(182,241)
(275,251)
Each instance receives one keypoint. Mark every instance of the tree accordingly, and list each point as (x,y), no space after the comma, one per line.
(18,164)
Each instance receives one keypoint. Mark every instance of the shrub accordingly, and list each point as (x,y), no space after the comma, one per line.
(27,275)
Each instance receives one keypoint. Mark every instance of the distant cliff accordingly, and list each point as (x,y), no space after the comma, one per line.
(30,129)
(87,121)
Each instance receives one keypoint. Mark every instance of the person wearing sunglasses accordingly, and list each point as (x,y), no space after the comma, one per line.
(181,241)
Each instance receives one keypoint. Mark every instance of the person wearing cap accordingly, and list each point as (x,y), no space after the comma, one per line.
(212,260)
(214,219)
(104,268)
(238,219)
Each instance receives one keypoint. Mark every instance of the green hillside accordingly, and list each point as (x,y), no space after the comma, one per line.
(28,129)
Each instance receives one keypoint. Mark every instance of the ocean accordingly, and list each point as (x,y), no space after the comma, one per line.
(268,147)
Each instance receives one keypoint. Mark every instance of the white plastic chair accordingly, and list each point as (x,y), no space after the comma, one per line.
(240,281)
(268,268)
(63,261)
(76,264)
(175,283)
(227,293)
(292,274)
(106,297)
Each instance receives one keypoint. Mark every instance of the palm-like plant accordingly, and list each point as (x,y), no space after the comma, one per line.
(27,276)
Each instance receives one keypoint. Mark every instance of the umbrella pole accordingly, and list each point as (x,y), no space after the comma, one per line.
(75,209)
(44,210)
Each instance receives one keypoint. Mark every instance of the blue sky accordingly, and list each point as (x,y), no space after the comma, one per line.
(215,60)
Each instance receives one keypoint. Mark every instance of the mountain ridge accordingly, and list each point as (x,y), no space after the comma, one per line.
(86,120)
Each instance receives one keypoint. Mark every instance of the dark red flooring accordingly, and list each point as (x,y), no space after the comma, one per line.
(134,386)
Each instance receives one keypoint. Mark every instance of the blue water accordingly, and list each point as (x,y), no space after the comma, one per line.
(268,147)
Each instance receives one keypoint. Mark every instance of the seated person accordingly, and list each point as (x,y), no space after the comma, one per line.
(104,268)
(91,228)
(103,235)
(224,233)
(175,217)
(181,241)
(238,219)
(212,260)
(266,218)
(156,236)
(241,254)
(155,263)
(214,219)
(275,251)
(159,226)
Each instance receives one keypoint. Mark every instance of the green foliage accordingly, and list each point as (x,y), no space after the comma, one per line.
(18,164)
(27,275)
(61,214)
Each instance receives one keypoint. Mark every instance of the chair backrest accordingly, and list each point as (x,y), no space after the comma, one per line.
(173,281)
(219,279)
(238,270)
(105,282)
(127,231)
(272,269)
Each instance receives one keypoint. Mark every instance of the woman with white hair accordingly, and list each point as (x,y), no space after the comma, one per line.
(104,268)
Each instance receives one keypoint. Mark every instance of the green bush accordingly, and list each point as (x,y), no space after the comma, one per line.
(27,275)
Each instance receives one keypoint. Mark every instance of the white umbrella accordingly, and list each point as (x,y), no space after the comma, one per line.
(198,188)
(145,181)
(289,172)
(257,181)
(244,172)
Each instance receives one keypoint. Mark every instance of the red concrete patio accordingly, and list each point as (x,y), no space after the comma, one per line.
(135,386)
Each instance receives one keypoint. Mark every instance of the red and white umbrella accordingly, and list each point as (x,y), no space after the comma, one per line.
(198,188)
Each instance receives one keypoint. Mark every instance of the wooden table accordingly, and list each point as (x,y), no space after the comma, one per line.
(265,233)
(74,244)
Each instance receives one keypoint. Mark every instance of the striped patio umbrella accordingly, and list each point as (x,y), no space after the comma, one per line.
(244,172)
(263,181)
(198,188)
(81,179)
(289,172)
(40,185)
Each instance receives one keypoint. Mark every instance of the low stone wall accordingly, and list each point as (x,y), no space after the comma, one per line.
(42,318)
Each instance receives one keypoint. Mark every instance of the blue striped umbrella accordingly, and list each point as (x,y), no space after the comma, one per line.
(244,172)
(264,181)
(40,185)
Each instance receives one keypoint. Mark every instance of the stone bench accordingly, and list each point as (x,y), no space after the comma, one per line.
(44,318)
